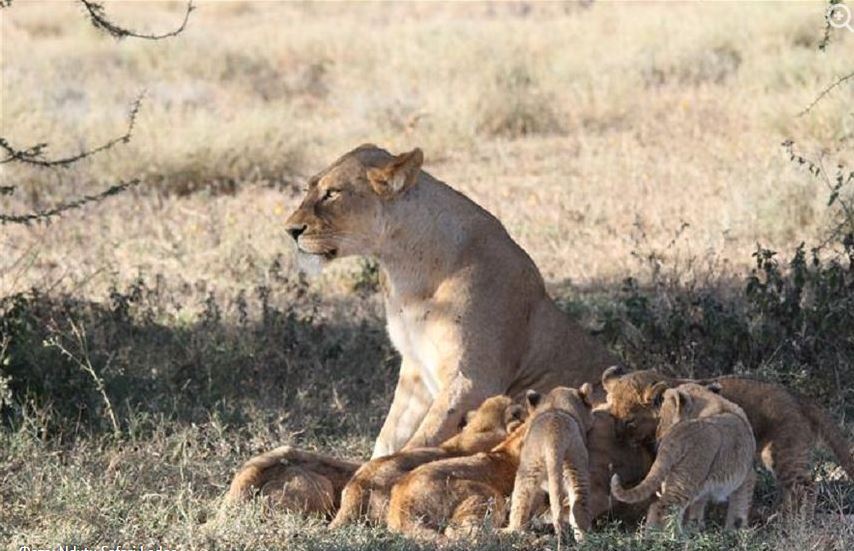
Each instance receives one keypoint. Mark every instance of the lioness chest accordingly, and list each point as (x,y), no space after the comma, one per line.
(426,337)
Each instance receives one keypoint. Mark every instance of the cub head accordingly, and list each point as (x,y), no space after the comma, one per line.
(689,401)
(633,399)
(342,212)
(489,424)
(576,401)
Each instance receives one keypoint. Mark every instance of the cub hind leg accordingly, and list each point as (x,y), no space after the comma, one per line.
(526,496)
(576,479)
(739,503)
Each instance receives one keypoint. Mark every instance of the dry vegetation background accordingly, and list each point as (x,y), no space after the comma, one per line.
(152,342)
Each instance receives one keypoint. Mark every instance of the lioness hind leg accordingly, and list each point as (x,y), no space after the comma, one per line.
(739,503)
(787,456)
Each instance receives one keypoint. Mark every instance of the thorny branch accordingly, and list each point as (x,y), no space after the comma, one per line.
(834,184)
(34,154)
(43,215)
(100,20)
(826,91)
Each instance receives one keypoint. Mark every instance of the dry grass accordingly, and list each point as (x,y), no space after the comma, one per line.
(591,132)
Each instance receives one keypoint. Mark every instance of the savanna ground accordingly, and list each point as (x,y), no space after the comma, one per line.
(152,342)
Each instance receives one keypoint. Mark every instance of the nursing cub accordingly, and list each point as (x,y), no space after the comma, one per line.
(454,496)
(291,480)
(705,450)
(367,493)
(786,426)
(555,452)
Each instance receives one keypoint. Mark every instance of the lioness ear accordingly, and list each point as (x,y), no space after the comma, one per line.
(533,399)
(714,387)
(586,392)
(397,175)
(611,374)
(654,395)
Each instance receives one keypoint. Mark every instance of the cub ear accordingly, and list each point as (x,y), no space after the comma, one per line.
(611,374)
(683,400)
(654,395)
(586,394)
(533,399)
(516,412)
(467,418)
(397,175)
(714,387)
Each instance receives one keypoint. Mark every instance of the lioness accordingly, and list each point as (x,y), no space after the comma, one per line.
(705,450)
(466,306)
(786,426)
(291,480)
(367,493)
(555,452)
(454,496)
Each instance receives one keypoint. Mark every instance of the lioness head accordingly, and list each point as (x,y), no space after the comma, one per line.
(633,400)
(342,212)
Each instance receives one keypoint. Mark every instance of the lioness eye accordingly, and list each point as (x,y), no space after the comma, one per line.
(331,194)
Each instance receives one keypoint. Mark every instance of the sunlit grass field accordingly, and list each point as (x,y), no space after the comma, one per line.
(633,149)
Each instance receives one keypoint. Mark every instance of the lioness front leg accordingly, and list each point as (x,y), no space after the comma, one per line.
(447,411)
(408,407)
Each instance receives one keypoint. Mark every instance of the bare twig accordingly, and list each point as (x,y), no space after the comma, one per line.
(100,20)
(826,91)
(43,215)
(34,154)
(85,364)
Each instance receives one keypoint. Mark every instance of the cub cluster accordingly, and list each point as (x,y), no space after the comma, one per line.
(660,446)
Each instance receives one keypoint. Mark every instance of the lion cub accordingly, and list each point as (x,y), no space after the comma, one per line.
(291,480)
(367,493)
(705,450)
(785,425)
(453,496)
(555,453)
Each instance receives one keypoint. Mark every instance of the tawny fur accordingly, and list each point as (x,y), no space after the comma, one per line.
(366,495)
(705,451)
(466,307)
(291,480)
(786,426)
(610,455)
(454,496)
(554,454)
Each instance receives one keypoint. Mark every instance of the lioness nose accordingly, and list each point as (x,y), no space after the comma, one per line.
(296,230)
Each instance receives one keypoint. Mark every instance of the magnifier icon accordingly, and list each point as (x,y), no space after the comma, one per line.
(839,17)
